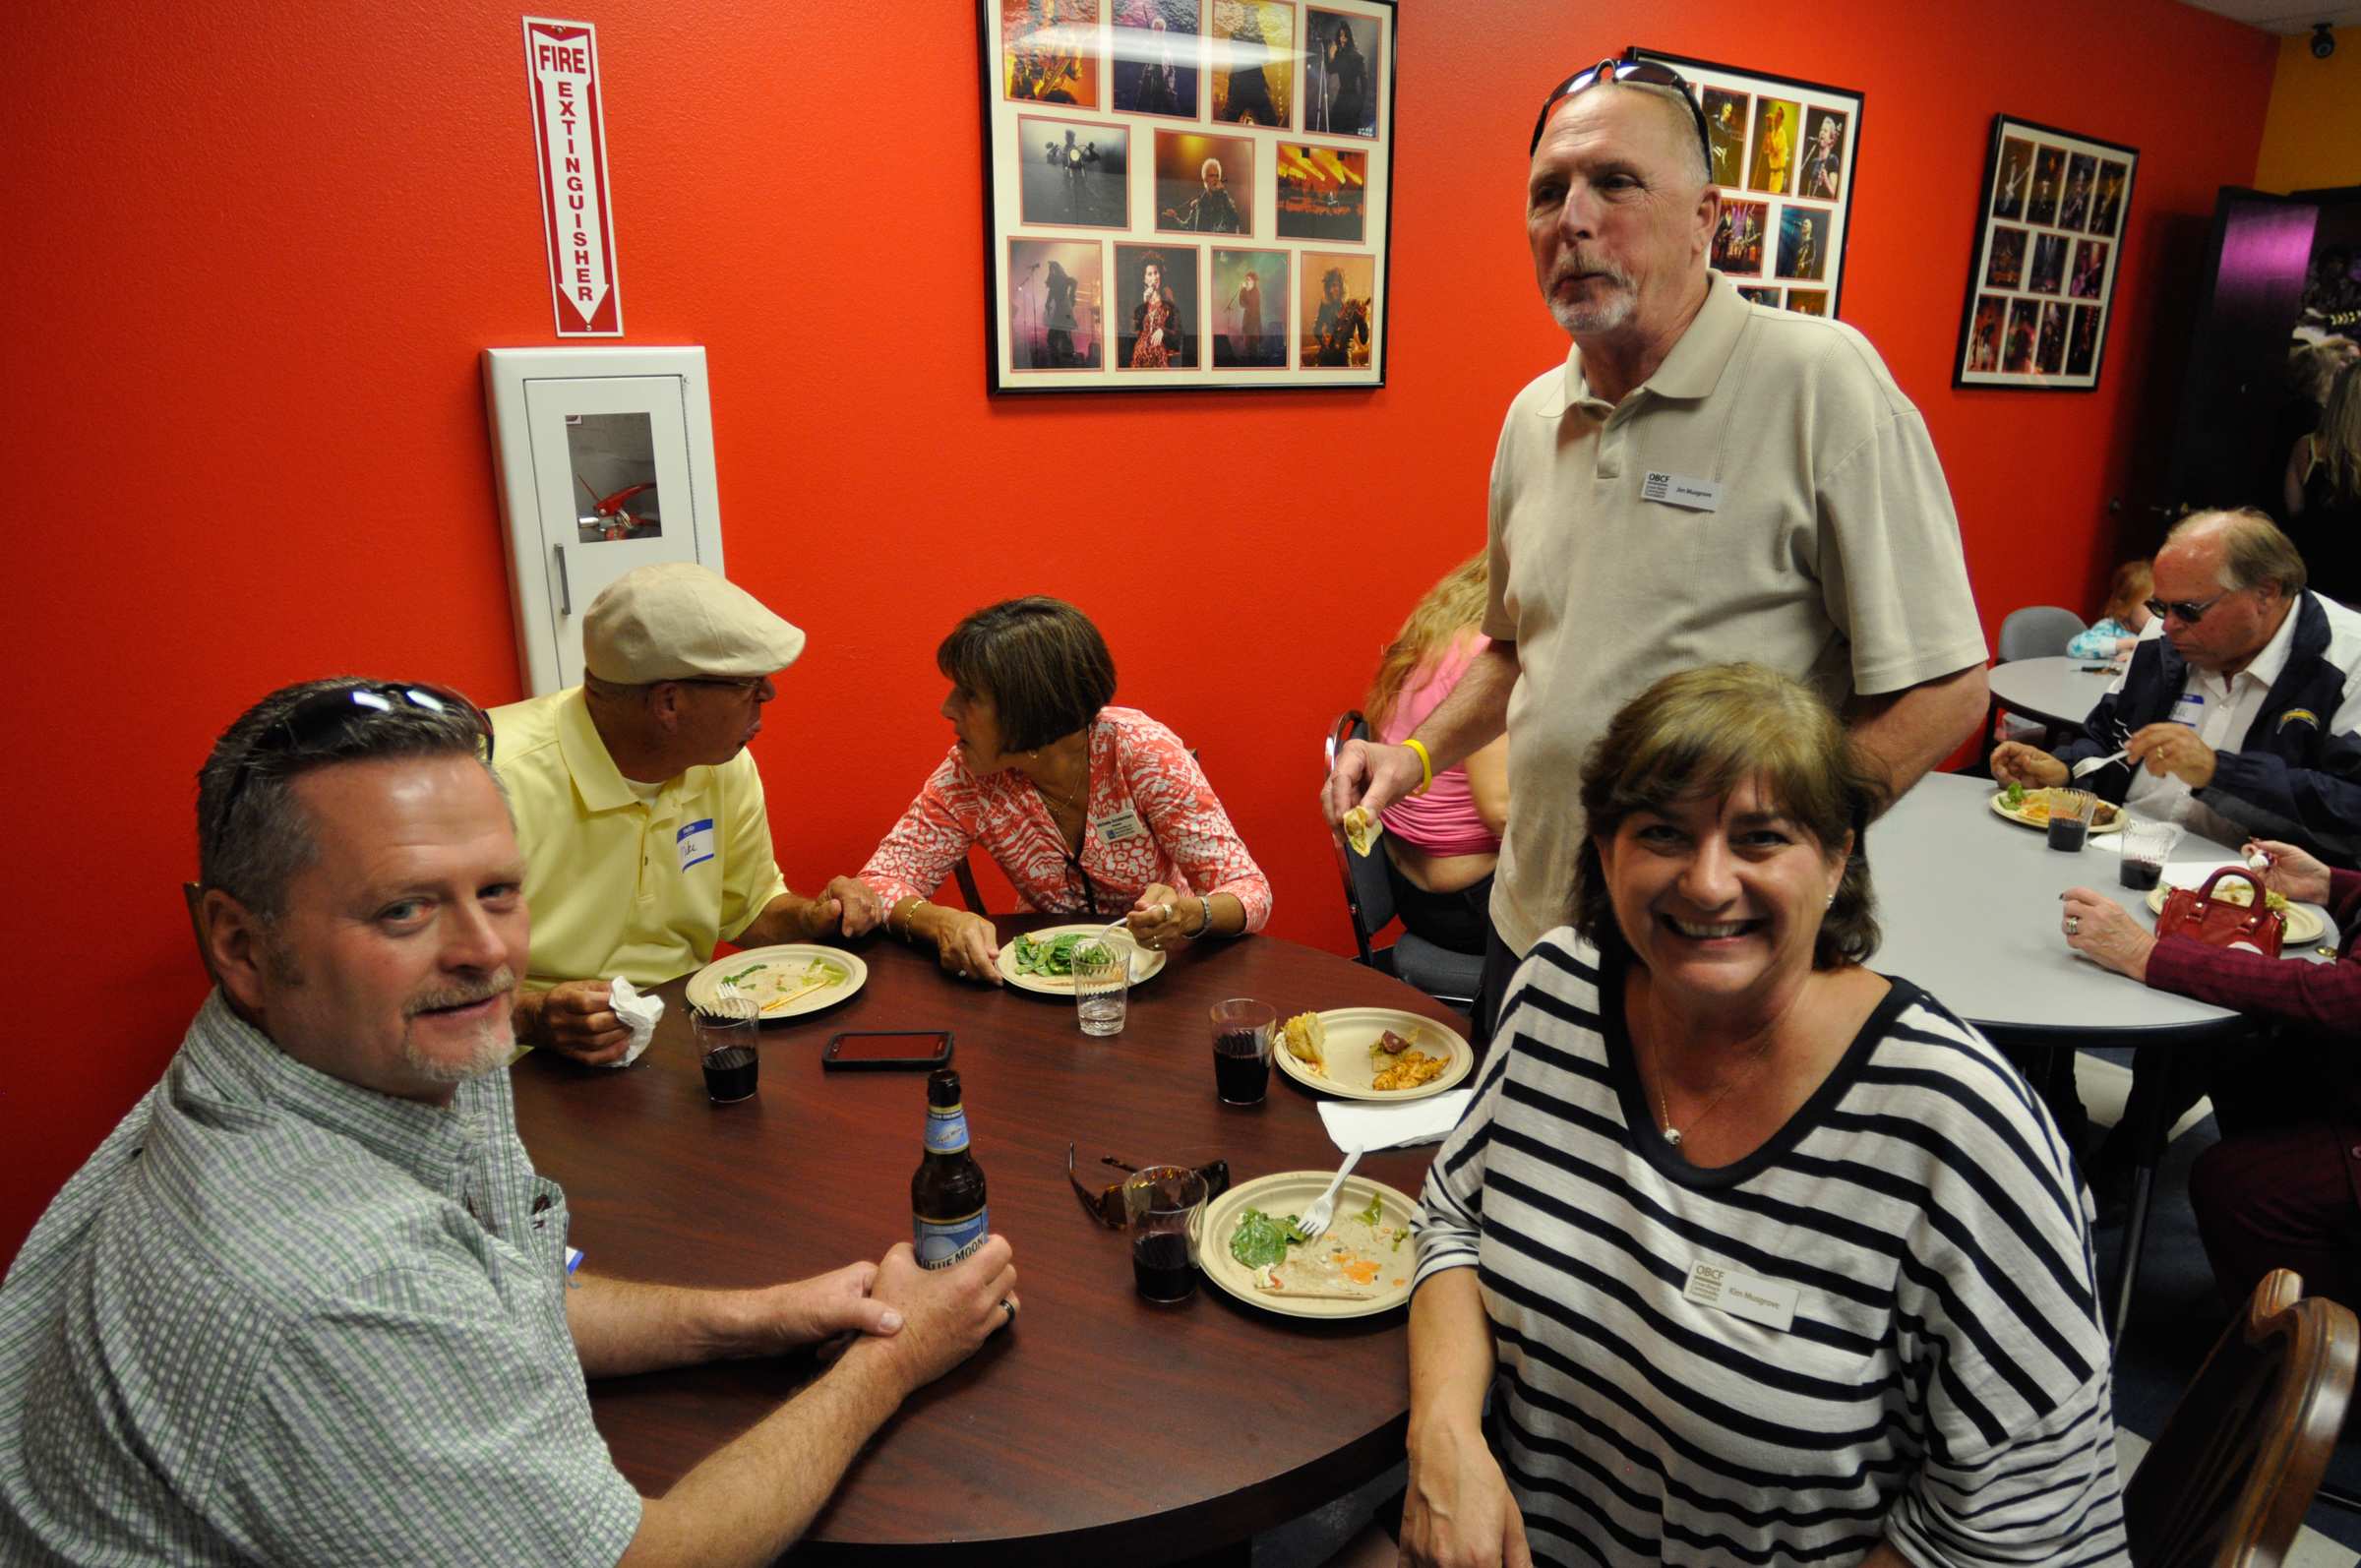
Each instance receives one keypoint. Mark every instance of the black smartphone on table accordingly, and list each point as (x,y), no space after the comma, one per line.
(888,1051)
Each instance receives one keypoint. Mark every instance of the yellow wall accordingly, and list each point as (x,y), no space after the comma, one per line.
(2312,139)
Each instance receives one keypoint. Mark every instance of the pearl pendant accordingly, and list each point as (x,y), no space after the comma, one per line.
(1672,1136)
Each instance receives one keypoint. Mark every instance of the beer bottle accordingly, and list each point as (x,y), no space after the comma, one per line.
(947,1216)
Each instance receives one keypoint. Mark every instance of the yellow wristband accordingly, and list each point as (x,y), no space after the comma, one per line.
(1426,766)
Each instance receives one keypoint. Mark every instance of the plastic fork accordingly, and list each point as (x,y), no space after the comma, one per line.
(1313,1223)
(2092,764)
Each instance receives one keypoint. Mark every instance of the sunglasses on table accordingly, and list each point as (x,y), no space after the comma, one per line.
(1106,1205)
(1650,73)
(2189,611)
(323,724)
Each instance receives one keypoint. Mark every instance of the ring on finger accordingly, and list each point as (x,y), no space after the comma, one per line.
(2074,925)
(1008,1306)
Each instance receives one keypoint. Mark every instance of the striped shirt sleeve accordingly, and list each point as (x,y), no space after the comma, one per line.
(1997,1319)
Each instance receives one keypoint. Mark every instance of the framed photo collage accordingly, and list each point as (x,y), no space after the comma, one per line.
(1784,151)
(2049,231)
(1187,194)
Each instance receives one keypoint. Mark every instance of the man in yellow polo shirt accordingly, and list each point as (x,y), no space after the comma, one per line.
(640,812)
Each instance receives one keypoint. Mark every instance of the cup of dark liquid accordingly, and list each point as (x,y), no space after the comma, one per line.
(1166,1207)
(2070,817)
(726,1032)
(1242,1050)
(2146,845)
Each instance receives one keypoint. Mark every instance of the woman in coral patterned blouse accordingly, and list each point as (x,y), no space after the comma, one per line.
(1087,809)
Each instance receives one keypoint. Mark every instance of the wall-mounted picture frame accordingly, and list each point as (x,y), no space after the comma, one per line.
(1189,194)
(1783,152)
(2049,232)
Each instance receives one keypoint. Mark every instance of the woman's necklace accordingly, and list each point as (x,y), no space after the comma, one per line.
(1069,803)
(1673,1135)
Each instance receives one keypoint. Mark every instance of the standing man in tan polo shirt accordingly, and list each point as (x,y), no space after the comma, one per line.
(641,817)
(1703,480)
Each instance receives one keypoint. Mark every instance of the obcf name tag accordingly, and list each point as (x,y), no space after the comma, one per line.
(1746,1295)
(1678,490)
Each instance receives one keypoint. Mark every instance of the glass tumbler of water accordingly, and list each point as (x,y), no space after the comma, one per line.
(1103,982)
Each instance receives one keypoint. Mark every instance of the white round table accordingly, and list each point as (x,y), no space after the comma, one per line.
(2058,691)
(1967,902)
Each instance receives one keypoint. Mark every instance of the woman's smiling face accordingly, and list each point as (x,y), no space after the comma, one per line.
(1720,897)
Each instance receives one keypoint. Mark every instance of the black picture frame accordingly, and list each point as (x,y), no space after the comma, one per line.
(2005,340)
(1058,328)
(1814,103)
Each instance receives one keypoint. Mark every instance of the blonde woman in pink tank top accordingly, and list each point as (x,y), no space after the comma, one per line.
(1441,846)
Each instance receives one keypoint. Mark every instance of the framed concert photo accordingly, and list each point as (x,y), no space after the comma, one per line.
(1183,195)
(2049,230)
(1783,156)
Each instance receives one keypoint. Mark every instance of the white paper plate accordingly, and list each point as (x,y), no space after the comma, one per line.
(1352,1031)
(1146,962)
(1291,1192)
(776,972)
(2114,822)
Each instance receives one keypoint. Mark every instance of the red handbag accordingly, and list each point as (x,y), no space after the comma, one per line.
(2217,922)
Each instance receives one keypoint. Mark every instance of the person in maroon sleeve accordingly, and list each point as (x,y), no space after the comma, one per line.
(2282,1190)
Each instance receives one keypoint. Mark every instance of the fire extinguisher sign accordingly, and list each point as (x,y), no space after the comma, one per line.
(570,138)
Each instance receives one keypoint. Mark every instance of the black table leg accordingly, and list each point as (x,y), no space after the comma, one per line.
(2155,1121)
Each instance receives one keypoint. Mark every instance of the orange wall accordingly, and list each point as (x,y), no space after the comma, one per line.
(2312,137)
(258,245)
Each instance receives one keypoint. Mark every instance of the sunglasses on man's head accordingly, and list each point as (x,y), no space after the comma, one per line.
(1649,72)
(322,723)
(2189,611)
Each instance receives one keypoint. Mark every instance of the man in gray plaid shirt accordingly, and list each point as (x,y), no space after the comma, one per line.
(309,1304)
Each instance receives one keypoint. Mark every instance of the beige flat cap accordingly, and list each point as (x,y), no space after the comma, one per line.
(673,620)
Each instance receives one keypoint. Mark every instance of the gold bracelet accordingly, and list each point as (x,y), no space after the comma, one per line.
(908,909)
(1426,766)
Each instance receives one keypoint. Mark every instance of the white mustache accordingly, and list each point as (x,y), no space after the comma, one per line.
(495,984)
(1577,265)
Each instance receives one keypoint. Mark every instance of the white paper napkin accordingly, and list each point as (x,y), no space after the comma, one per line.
(2192,874)
(639,1015)
(1353,1124)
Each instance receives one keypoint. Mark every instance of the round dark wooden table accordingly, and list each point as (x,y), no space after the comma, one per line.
(1099,1428)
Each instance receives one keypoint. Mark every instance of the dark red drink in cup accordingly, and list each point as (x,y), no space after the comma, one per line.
(2070,814)
(1242,1050)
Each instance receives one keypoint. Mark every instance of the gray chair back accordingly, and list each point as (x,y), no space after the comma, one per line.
(2039,632)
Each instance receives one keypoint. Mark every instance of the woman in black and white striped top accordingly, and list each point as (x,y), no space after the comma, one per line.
(1761,1257)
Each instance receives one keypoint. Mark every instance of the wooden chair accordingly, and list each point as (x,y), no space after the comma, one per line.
(969,894)
(2227,1484)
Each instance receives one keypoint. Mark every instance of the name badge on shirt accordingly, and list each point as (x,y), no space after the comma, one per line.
(696,842)
(1678,490)
(1757,1300)
(2190,711)
(1122,825)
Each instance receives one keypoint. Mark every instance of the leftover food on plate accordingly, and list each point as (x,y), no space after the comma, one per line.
(774,983)
(2031,807)
(1306,1038)
(1406,1071)
(1052,957)
(1362,1257)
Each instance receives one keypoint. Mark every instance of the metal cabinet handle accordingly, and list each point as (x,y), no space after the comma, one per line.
(565,588)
